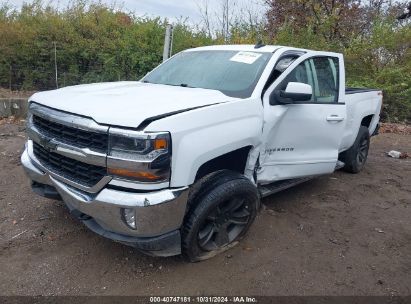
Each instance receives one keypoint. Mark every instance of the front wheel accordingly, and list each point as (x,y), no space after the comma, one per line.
(222,214)
(355,157)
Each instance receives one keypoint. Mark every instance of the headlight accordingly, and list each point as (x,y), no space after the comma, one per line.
(143,157)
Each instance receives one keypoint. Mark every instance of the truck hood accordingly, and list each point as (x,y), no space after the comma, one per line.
(127,104)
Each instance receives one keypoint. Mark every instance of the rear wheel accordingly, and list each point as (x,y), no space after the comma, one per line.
(356,157)
(222,212)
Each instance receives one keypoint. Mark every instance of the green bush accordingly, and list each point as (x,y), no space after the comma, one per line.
(94,43)
(97,43)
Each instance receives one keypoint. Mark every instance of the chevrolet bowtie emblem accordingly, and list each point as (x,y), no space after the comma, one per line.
(49,144)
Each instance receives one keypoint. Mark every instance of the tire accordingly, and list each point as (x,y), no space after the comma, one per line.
(221,211)
(356,157)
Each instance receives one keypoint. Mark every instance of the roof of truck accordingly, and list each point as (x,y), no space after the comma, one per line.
(238,47)
(253,48)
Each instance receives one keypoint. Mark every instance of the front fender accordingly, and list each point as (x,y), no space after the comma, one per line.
(201,135)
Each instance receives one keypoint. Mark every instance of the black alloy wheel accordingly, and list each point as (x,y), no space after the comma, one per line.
(222,207)
(224,224)
(356,156)
(363,151)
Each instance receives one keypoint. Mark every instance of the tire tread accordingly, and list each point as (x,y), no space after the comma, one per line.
(349,157)
(209,189)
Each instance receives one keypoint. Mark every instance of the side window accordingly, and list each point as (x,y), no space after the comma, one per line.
(279,68)
(326,79)
(302,73)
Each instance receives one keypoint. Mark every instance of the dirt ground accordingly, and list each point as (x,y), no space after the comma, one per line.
(336,235)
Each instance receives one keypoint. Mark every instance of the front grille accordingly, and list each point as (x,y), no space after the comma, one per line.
(75,137)
(71,169)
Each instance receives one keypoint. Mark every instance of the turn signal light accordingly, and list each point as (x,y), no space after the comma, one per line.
(137,175)
(160,143)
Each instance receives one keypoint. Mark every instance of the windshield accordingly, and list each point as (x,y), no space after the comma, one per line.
(231,72)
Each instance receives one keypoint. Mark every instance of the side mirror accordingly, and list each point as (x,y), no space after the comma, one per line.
(295,91)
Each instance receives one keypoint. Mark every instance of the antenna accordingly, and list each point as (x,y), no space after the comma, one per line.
(259,44)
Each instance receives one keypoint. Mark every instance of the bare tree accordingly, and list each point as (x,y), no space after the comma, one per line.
(204,9)
(251,14)
(406,14)
(225,17)
(218,20)
(220,16)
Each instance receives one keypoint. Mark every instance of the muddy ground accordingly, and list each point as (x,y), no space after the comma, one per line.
(336,235)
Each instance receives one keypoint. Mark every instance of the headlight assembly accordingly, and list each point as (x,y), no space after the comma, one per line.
(138,156)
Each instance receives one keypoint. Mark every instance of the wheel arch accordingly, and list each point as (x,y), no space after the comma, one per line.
(366,121)
(235,161)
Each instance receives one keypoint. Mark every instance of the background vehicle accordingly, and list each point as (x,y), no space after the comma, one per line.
(179,161)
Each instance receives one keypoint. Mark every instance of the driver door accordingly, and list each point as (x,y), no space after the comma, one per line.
(302,138)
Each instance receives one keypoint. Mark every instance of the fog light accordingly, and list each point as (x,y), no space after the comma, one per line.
(129,217)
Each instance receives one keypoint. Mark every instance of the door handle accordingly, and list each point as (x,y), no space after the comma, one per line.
(335,118)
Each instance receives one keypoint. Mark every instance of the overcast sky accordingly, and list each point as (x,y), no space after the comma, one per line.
(171,9)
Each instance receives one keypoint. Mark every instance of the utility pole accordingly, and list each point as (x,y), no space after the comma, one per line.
(168,42)
(11,75)
(55,63)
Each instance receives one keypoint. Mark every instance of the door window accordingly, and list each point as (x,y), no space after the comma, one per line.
(302,73)
(326,80)
(322,73)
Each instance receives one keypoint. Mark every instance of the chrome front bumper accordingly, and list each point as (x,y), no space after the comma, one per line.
(158,213)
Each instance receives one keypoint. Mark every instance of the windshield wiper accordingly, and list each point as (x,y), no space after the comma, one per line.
(184,85)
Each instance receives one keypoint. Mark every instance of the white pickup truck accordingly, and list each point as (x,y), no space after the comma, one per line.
(179,161)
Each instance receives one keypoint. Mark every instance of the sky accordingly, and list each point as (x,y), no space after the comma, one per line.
(172,9)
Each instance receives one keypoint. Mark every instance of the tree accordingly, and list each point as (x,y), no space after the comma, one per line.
(330,19)
(406,14)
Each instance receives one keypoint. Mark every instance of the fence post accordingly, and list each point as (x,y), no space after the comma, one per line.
(11,75)
(55,63)
(168,42)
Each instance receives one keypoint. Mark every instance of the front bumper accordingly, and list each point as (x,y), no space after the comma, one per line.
(159,214)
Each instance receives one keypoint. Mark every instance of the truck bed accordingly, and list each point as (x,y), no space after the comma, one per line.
(363,108)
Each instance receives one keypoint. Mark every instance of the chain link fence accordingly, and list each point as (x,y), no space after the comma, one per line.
(36,78)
